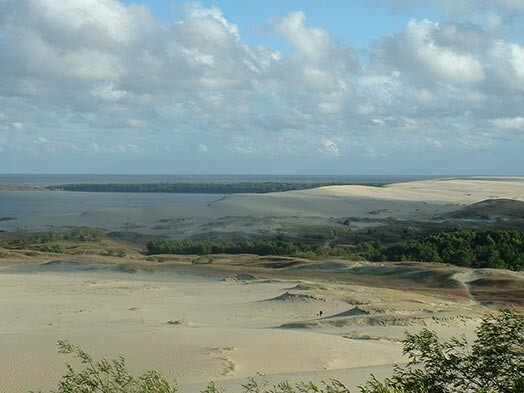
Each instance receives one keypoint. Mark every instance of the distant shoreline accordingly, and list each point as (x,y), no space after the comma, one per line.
(198,188)
(21,187)
(57,179)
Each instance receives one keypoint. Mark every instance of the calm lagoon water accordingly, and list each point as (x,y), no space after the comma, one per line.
(38,209)
(23,204)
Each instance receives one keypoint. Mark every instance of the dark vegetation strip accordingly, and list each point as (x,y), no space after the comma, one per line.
(500,249)
(195,188)
(51,241)
(257,247)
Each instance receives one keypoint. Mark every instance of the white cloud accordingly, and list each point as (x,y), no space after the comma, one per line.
(202,148)
(329,147)
(107,92)
(314,42)
(100,76)
(41,140)
(83,39)
(415,50)
(513,123)
(18,126)
(507,60)
(128,148)
(136,123)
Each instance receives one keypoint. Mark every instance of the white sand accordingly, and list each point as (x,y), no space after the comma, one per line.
(420,199)
(219,330)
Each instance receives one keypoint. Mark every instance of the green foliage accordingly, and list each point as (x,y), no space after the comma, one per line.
(51,241)
(501,248)
(79,234)
(195,188)
(494,249)
(493,364)
(52,247)
(213,388)
(106,376)
(258,247)
(260,385)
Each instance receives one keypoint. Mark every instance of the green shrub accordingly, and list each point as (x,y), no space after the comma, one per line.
(106,376)
(494,363)
(53,247)
(81,234)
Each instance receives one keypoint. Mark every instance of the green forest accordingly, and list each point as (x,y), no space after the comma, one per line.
(258,247)
(499,248)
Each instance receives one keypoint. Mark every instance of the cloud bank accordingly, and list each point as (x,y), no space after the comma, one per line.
(97,78)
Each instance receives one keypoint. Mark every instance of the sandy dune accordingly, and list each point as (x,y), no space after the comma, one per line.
(439,191)
(419,199)
(196,329)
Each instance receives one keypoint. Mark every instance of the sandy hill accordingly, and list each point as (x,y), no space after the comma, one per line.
(490,208)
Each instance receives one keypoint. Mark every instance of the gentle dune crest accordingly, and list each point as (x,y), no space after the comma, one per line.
(415,199)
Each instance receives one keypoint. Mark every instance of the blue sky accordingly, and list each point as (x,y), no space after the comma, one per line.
(357,22)
(262,87)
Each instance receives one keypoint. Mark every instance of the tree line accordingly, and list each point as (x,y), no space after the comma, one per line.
(194,188)
(258,247)
(500,249)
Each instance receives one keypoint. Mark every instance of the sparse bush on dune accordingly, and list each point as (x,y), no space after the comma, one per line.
(77,234)
(52,247)
(48,241)
(493,363)
(106,376)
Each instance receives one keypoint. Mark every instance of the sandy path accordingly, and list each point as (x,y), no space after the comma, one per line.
(465,278)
